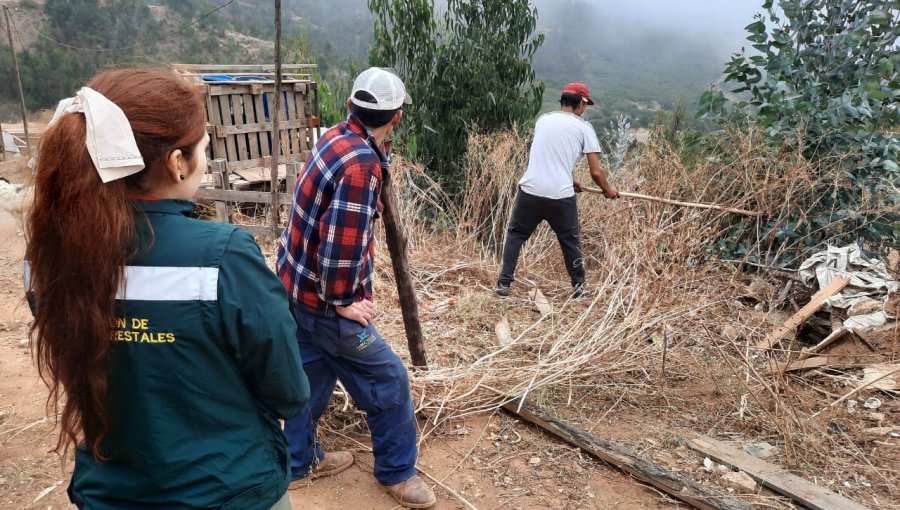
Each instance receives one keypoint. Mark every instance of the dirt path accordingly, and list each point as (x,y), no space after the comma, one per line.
(481,459)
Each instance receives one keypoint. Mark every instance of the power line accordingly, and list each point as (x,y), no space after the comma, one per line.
(104,50)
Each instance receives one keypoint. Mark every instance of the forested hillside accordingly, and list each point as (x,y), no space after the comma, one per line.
(60,43)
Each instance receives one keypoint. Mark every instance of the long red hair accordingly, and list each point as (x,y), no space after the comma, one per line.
(81,234)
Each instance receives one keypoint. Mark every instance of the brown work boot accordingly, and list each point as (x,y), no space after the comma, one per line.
(332,464)
(413,493)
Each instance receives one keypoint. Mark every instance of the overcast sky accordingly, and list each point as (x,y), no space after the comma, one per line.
(723,21)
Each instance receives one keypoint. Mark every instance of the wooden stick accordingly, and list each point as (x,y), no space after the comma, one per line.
(624,459)
(697,205)
(814,304)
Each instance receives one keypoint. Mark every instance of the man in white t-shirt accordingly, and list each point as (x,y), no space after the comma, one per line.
(547,190)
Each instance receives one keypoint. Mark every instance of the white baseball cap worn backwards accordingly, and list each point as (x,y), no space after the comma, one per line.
(387,89)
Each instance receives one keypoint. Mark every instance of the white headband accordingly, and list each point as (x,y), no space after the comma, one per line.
(110,140)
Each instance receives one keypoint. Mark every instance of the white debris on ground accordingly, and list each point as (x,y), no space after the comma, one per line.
(869,291)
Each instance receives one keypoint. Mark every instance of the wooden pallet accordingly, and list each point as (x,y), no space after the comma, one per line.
(242,143)
(239,113)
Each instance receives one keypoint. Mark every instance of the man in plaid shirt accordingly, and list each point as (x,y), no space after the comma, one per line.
(326,261)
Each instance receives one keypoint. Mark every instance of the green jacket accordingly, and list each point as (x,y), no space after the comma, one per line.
(204,364)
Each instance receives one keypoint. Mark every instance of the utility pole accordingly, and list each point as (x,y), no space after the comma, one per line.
(15,62)
(276,113)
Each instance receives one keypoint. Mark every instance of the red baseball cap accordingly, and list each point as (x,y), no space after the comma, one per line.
(579,89)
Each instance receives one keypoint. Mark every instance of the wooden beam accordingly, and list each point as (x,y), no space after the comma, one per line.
(774,477)
(626,460)
(396,242)
(223,131)
(249,197)
(238,68)
(224,88)
(260,230)
(797,319)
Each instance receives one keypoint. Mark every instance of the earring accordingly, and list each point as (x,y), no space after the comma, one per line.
(181,177)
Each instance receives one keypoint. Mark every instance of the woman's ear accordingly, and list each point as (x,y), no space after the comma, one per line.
(175,163)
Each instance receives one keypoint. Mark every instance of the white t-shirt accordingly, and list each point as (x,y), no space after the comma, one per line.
(560,138)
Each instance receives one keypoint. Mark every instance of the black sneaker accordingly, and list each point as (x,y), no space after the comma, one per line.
(580,292)
(502,290)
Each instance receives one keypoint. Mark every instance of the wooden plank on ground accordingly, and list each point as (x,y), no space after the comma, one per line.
(813,362)
(626,460)
(797,319)
(774,477)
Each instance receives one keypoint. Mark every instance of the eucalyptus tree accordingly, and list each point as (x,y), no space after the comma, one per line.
(825,81)
(467,68)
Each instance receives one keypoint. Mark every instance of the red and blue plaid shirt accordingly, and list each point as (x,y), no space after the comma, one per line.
(326,253)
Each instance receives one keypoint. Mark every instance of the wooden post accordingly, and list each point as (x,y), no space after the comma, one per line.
(396,242)
(219,170)
(276,113)
(15,63)
(626,460)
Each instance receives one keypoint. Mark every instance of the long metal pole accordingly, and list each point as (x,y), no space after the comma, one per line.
(276,133)
(15,62)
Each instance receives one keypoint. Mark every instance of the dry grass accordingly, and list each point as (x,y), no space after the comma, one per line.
(653,277)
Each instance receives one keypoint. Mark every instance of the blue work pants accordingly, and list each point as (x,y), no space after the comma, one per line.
(335,348)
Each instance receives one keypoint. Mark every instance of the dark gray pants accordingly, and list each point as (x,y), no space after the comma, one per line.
(528,212)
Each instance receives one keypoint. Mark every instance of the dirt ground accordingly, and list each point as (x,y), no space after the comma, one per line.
(492,461)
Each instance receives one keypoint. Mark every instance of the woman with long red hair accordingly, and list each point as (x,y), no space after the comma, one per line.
(166,342)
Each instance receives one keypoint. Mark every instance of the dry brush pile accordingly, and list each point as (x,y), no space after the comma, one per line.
(669,328)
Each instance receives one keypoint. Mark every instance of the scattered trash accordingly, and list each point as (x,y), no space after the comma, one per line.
(441,307)
(46,491)
(730,333)
(868,277)
(739,480)
(865,306)
(866,322)
(851,406)
(883,376)
(8,189)
(534,461)
(761,450)
(540,301)
(872,403)
(711,466)
(502,331)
